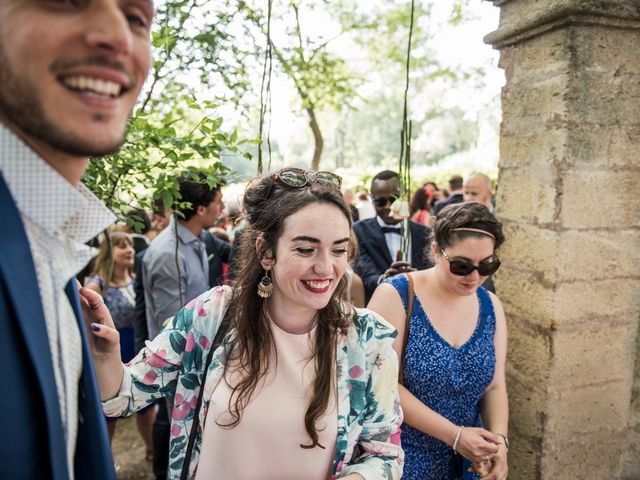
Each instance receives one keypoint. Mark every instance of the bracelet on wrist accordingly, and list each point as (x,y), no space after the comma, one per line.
(457,439)
(505,438)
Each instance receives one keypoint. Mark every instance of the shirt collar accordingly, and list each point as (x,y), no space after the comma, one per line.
(386,225)
(45,197)
(186,236)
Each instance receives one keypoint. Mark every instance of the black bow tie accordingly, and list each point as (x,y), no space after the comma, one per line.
(390,230)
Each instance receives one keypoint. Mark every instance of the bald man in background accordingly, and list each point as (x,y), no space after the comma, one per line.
(477,188)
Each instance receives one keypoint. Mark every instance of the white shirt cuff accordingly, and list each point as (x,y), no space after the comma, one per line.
(117,406)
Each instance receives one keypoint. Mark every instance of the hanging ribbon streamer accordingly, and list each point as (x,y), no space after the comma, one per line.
(265,93)
(400,208)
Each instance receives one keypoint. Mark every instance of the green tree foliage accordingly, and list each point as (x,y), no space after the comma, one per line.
(159,147)
(348,75)
(370,132)
(321,78)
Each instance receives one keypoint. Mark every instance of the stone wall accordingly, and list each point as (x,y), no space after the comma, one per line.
(569,196)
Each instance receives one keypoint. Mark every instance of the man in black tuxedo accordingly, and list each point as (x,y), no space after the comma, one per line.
(456,195)
(379,237)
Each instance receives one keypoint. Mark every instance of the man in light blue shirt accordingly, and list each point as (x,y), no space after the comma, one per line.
(165,288)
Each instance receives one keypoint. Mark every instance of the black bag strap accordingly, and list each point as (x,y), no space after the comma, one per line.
(407,323)
(217,341)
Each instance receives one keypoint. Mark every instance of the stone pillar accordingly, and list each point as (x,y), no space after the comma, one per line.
(569,197)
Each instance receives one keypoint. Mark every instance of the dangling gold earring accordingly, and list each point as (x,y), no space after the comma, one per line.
(265,287)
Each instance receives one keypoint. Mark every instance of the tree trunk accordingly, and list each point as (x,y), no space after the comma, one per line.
(317,136)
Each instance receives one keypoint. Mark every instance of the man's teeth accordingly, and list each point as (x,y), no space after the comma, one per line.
(317,285)
(93,85)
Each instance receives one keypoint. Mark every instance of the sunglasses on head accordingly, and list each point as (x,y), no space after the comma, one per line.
(465,267)
(298,178)
(382,202)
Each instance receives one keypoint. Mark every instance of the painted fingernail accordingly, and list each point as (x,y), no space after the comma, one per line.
(95,327)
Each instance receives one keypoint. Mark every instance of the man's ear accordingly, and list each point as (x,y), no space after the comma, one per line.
(265,257)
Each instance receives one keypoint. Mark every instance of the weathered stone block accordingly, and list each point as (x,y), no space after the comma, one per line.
(529,352)
(631,462)
(533,148)
(575,409)
(586,457)
(523,23)
(528,195)
(525,458)
(597,298)
(534,103)
(601,99)
(523,296)
(596,254)
(586,204)
(614,146)
(541,58)
(595,353)
(607,50)
(531,248)
(527,403)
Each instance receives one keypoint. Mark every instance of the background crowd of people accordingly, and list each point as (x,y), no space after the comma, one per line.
(148,284)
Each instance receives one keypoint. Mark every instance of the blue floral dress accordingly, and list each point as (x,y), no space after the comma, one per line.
(451,381)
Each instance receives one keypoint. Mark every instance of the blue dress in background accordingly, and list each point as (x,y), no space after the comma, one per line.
(450,381)
(121,303)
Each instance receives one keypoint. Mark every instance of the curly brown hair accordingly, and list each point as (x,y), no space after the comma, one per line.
(465,215)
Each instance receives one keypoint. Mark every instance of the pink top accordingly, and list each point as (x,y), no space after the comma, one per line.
(422,217)
(266,442)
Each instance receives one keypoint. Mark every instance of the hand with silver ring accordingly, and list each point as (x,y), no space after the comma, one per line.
(493,467)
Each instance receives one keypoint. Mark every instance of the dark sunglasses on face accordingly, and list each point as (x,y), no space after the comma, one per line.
(382,202)
(465,267)
(298,178)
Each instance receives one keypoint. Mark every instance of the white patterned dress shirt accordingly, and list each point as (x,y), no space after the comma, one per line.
(58,219)
(394,241)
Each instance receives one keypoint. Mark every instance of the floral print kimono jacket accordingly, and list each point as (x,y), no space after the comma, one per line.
(369,414)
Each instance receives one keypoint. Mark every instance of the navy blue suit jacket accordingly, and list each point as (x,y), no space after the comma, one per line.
(218,252)
(374,258)
(32,440)
(455,198)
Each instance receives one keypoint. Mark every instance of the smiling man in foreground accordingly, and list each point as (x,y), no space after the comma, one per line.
(70,74)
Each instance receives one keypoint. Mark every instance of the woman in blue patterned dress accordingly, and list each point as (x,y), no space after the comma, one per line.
(452,390)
